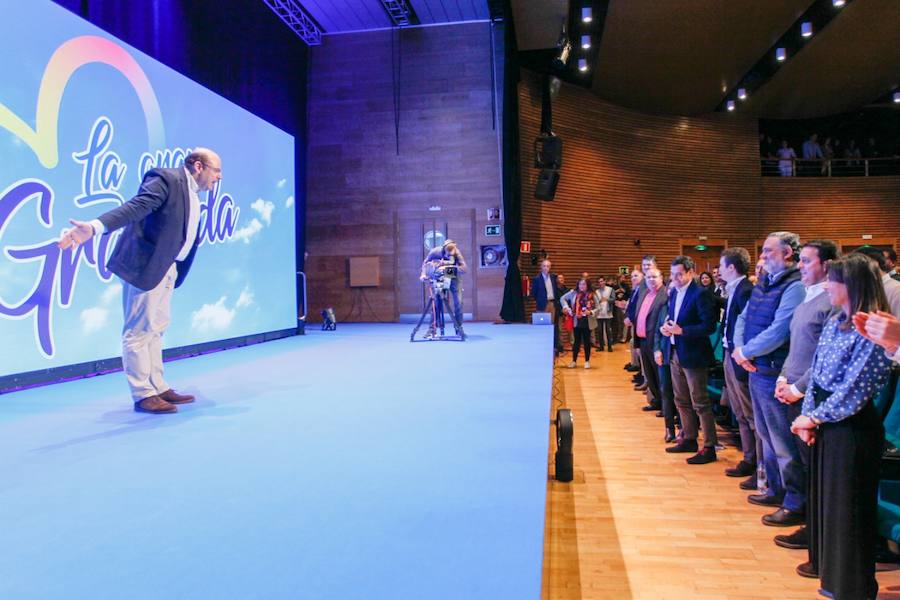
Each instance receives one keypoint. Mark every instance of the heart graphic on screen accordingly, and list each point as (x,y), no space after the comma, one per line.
(67,59)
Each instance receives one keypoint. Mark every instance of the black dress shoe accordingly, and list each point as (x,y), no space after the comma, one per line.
(763,500)
(705,456)
(641,387)
(749,484)
(683,446)
(784,518)
(660,414)
(670,436)
(799,540)
(632,368)
(742,469)
(806,570)
(649,407)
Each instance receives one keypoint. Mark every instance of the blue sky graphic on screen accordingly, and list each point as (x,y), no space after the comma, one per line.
(82,117)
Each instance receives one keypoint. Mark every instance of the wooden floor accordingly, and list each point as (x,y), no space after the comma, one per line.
(639,523)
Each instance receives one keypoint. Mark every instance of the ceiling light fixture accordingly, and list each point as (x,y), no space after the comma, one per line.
(806,29)
(780,54)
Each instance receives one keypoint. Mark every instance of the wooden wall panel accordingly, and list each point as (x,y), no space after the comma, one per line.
(358,183)
(628,176)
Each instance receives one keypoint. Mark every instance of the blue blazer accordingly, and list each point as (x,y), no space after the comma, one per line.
(155,223)
(539,290)
(741,295)
(698,321)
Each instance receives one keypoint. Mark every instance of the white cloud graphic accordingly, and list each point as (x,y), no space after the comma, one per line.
(245,299)
(111,293)
(264,208)
(93,319)
(245,233)
(281,182)
(212,317)
(289,202)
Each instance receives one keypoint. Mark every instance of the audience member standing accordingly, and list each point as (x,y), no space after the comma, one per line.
(583,304)
(812,151)
(762,341)
(806,327)
(891,286)
(691,320)
(604,315)
(637,282)
(655,300)
(733,267)
(786,159)
(841,423)
(546,295)
(890,255)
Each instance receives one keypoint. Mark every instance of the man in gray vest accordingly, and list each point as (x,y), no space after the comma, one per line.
(806,327)
(761,345)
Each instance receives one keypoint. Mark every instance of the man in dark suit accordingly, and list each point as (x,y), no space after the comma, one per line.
(546,296)
(637,282)
(152,258)
(734,264)
(691,320)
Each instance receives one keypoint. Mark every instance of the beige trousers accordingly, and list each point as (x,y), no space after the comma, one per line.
(147,315)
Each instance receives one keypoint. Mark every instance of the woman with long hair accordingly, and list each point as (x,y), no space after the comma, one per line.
(584,306)
(841,423)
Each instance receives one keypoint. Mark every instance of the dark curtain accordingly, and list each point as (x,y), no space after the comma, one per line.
(513,308)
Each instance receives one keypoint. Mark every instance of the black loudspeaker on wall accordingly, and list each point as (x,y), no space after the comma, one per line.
(545,189)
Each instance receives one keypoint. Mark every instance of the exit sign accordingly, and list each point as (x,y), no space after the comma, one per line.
(525,247)
(492,230)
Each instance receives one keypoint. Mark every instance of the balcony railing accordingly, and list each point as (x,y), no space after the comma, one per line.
(830,167)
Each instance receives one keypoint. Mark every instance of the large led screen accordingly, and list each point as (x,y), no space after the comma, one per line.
(83,117)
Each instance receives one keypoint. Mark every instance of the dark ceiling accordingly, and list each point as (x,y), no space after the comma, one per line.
(683,56)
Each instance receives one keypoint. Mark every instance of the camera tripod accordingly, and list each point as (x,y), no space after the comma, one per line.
(439,295)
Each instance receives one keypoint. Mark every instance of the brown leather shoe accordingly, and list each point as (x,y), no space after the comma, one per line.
(173,397)
(154,405)
(806,570)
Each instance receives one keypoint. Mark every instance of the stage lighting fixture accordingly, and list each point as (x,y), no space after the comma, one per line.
(585,41)
(329,321)
(780,54)
(563,47)
(742,94)
(838,3)
(563,56)
(582,64)
(565,432)
(730,105)
(806,29)
(586,14)
(896,97)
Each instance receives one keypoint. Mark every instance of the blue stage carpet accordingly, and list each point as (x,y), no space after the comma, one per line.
(346,464)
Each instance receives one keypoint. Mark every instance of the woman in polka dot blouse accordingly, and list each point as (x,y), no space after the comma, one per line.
(844,429)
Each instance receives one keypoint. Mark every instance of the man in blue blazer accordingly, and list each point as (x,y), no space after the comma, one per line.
(691,320)
(152,258)
(734,264)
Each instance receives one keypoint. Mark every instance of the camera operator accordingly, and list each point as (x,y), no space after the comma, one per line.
(449,260)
